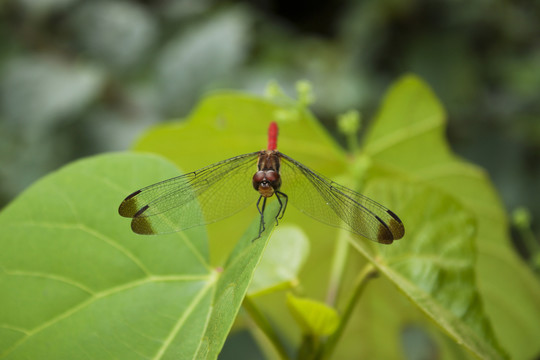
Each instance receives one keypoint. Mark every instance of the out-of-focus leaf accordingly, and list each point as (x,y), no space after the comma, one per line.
(45,7)
(314,317)
(182,10)
(407,138)
(196,57)
(99,27)
(38,93)
(75,279)
(281,262)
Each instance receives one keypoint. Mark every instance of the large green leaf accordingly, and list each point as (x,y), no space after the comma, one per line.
(233,284)
(434,264)
(76,282)
(407,137)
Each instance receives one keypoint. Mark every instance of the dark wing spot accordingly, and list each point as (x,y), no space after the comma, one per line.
(141,225)
(396,226)
(128,207)
(384,235)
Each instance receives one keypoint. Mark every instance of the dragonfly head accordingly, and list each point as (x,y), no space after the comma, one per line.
(266,182)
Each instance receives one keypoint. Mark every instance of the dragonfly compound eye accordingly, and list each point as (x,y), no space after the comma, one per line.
(274,179)
(258,178)
(272,176)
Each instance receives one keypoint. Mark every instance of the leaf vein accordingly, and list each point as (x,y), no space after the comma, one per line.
(100,295)
(183,318)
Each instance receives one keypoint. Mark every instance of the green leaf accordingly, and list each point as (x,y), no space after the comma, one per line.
(233,284)
(407,137)
(281,262)
(77,282)
(314,317)
(433,264)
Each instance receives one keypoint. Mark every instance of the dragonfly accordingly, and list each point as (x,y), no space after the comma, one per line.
(220,190)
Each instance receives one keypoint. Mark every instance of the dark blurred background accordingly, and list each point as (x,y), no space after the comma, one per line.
(83,77)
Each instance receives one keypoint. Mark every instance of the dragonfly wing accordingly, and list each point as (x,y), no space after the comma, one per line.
(336,205)
(197,198)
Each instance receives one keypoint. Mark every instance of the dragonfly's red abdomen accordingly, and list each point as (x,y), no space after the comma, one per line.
(272,136)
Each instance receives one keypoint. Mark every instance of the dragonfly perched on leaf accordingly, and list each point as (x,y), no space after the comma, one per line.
(222,189)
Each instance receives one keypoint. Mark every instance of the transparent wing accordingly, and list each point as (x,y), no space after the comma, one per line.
(197,198)
(336,205)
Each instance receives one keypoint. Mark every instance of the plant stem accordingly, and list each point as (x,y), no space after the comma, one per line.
(367,273)
(263,325)
(339,261)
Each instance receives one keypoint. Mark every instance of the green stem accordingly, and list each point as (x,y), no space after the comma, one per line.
(352,143)
(339,261)
(263,325)
(367,273)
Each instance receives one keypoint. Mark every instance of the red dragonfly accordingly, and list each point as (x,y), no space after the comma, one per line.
(223,189)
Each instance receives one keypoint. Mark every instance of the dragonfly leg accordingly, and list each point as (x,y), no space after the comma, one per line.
(282,207)
(261,211)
